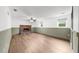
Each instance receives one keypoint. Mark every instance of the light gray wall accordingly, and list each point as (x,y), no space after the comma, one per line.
(75,42)
(5,37)
(15,30)
(56,32)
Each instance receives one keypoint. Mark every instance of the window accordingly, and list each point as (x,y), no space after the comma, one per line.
(62,22)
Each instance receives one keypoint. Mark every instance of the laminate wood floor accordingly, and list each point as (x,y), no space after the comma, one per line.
(38,43)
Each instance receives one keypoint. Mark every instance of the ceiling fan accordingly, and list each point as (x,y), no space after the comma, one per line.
(32,19)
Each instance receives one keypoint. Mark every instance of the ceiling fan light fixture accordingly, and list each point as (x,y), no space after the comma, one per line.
(15,9)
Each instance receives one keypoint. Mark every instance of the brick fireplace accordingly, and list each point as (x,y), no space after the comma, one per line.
(24,29)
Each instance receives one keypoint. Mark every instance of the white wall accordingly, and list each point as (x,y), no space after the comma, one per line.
(17,22)
(47,22)
(19,18)
(53,21)
(5,21)
(76,18)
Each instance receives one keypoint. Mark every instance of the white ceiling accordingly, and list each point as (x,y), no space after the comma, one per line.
(45,11)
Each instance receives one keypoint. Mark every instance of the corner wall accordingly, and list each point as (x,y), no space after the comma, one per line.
(75,40)
(5,29)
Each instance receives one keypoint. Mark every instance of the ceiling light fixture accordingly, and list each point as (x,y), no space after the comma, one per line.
(32,19)
(15,9)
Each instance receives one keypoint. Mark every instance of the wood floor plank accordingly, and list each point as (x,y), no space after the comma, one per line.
(38,43)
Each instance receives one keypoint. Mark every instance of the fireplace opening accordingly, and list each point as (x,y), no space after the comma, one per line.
(26,29)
